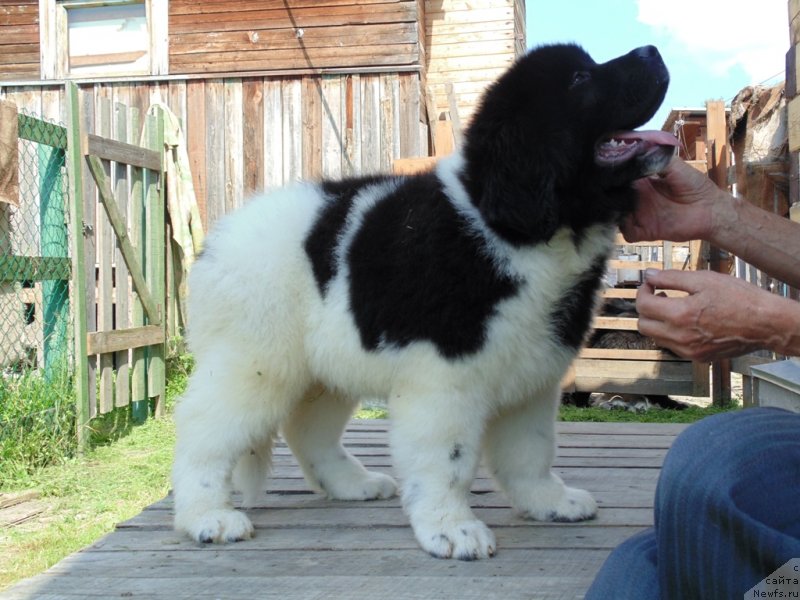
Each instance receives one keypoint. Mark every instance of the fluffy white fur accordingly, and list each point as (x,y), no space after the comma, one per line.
(461,297)
(273,355)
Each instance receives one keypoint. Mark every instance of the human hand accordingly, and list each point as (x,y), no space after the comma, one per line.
(676,205)
(721,317)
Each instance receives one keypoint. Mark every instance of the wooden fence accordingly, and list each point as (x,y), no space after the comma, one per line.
(98,263)
(246,134)
(117,217)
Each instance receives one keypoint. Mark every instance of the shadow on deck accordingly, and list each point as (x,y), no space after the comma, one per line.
(310,548)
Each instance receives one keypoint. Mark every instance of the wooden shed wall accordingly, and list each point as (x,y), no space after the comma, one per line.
(249,134)
(236,36)
(19,40)
(470,47)
(241,35)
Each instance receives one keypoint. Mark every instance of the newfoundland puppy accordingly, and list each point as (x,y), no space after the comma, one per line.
(460,295)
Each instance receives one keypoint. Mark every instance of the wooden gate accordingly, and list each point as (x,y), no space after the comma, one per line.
(117,197)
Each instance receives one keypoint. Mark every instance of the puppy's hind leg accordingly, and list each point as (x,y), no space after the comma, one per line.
(313,431)
(223,415)
(250,473)
(520,448)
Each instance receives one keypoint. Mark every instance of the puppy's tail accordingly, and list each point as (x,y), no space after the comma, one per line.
(251,471)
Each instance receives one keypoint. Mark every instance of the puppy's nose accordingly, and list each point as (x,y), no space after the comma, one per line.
(646,52)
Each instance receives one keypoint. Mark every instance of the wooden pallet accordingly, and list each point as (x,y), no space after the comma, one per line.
(308,547)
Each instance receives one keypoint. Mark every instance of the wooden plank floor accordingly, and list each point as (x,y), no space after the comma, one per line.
(309,548)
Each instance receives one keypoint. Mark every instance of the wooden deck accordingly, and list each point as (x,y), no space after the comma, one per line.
(309,548)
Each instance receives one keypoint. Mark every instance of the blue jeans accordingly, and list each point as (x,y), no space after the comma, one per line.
(727,513)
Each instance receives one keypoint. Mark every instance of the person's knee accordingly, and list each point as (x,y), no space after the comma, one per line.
(630,572)
(697,443)
(721,447)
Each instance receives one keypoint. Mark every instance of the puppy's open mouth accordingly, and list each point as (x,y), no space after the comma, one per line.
(622,146)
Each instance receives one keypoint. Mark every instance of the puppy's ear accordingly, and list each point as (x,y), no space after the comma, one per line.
(518,197)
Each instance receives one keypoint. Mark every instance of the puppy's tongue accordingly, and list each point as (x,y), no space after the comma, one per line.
(621,146)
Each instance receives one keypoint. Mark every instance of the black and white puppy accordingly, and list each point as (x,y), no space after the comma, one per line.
(460,295)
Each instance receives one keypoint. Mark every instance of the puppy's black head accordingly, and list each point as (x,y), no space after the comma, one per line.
(551,145)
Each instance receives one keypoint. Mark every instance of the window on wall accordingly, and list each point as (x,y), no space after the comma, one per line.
(107,38)
(91,38)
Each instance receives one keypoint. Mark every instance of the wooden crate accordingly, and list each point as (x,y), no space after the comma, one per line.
(648,371)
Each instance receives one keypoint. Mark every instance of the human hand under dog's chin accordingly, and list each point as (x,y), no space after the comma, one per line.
(677,205)
(701,327)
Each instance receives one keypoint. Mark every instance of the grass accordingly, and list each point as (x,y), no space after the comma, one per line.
(126,469)
(574,413)
(654,415)
(37,417)
(372,412)
(87,496)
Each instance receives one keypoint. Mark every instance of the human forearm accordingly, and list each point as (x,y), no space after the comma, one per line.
(780,321)
(765,240)
(721,317)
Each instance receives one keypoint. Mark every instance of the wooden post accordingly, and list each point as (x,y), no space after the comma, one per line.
(433,118)
(455,119)
(101,170)
(156,275)
(793,116)
(718,153)
(136,200)
(121,183)
(74,163)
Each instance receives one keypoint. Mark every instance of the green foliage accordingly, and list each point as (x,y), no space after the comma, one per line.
(179,367)
(654,415)
(37,423)
(37,420)
(574,413)
(372,412)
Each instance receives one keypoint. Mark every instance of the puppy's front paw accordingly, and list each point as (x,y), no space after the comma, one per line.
(464,540)
(219,526)
(573,505)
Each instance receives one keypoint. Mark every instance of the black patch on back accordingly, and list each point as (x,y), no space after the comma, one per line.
(572,314)
(418,273)
(320,245)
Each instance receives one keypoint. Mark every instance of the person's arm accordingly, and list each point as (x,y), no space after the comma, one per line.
(763,239)
(721,317)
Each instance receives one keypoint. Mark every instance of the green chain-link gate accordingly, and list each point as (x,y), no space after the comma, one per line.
(34,256)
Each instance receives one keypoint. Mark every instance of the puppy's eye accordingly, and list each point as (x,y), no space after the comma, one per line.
(579,78)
